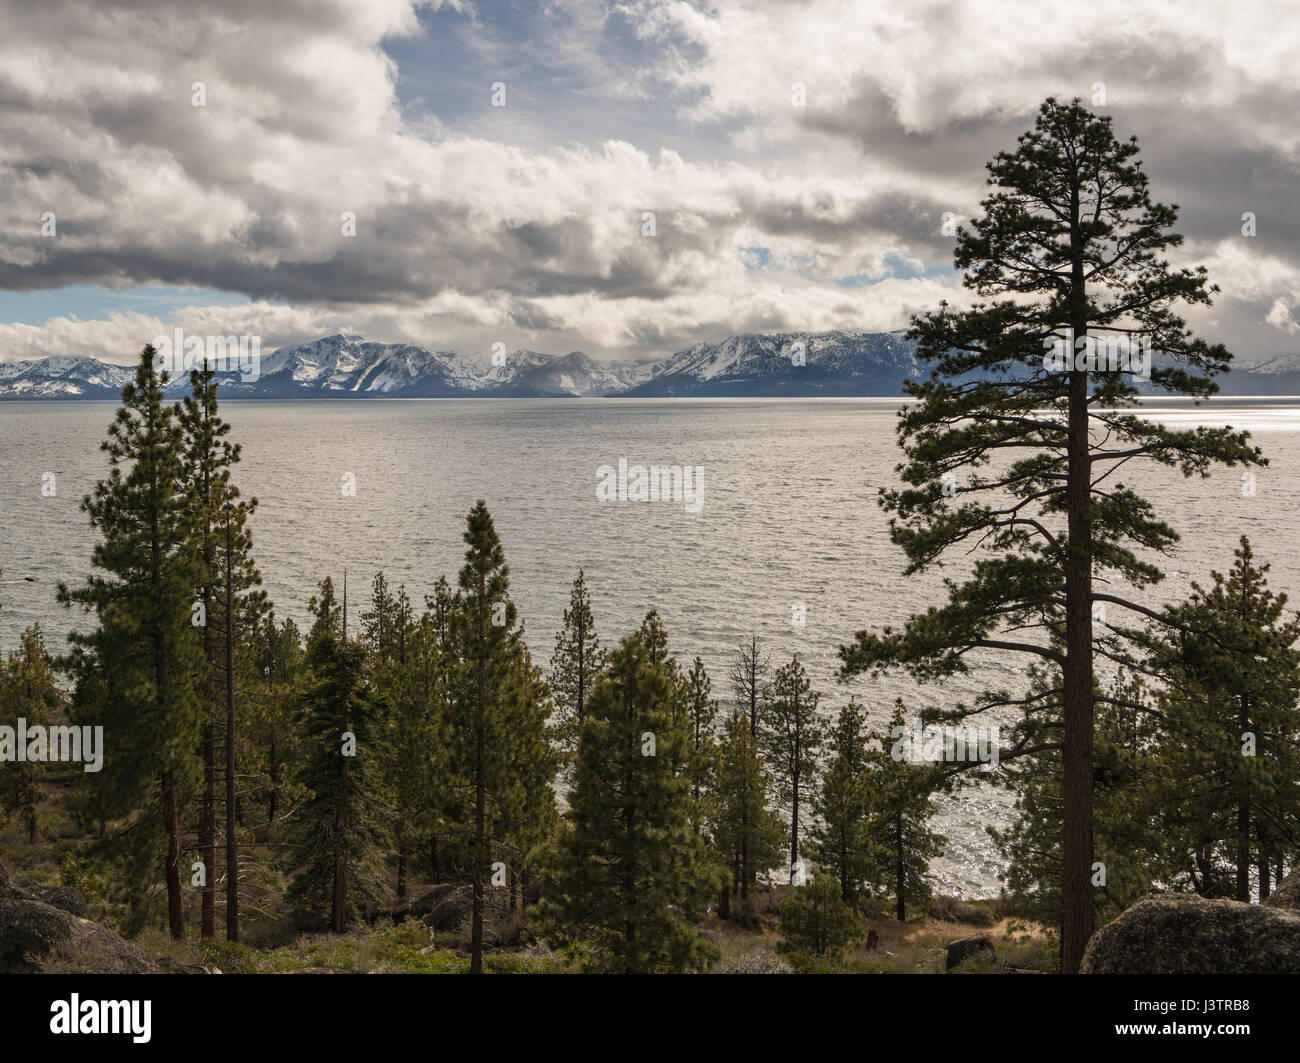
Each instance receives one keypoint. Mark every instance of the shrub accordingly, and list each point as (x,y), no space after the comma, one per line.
(816,920)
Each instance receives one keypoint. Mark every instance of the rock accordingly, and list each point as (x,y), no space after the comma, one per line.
(1194,935)
(66,897)
(38,938)
(1287,894)
(978,948)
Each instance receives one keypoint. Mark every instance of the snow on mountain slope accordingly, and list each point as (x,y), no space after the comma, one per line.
(837,362)
(342,364)
(572,374)
(826,363)
(62,378)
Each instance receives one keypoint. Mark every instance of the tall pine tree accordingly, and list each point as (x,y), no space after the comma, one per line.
(574,666)
(792,735)
(342,825)
(28,691)
(747,834)
(842,810)
(1016,434)
(143,660)
(899,827)
(232,608)
(632,877)
(1228,730)
(497,722)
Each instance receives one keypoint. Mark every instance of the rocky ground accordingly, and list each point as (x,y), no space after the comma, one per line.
(45,928)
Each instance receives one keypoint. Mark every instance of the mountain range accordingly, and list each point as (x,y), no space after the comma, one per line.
(837,363)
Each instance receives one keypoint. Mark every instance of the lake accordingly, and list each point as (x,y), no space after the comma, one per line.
(787,519)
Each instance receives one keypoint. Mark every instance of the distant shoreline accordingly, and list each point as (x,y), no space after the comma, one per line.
(1179,402)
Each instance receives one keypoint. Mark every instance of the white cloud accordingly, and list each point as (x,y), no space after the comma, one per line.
(464,239)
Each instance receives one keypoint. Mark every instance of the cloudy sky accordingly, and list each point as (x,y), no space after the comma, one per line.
(798,157)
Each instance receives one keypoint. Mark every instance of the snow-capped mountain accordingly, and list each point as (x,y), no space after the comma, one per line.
(62,378)
(784,363)
(1272,376)
(529,373)
(342,366)
(351,366)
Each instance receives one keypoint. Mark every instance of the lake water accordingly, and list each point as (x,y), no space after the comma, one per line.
(789,515)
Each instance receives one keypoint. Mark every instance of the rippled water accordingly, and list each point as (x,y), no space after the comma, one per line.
(789,516)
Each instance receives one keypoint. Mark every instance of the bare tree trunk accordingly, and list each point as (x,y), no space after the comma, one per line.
(232,808)
(900,872)
(1243,818)
(339,914)
(794,827)
(480,840)
(171,818)
(275,787)
(208,835)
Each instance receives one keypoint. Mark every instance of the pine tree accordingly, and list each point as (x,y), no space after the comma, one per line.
(1012,448)
(632,878)
(446,803)
(385,627)
(702,753)
(842,810)
(792,735)
(1228,733)
(653,635)
(749,682)
(394,660)
(1128,843)
(747,834)
(277,660)
(815,919)
(496,711)
(232,608)
(524,813)
(28,691)
(143,658)
(341,829)
(750,687)
(899,830)
(574,666)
